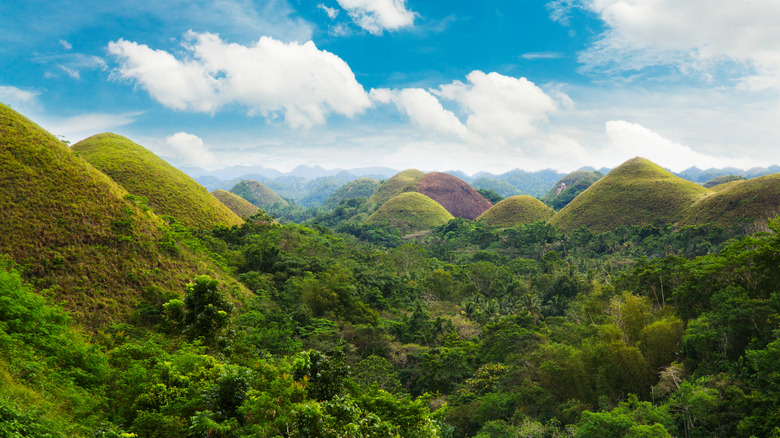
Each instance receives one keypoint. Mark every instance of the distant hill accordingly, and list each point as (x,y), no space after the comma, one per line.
(258,194)
(410,212)
(454,194)
(742,202)
(503,188)
(75,230)
(405,181)
(517,210)
(702,176)
(320,193)
(238,205)
(359,188)
(636,192)
(168,190)
(535,184)
(568,187)
(722,179)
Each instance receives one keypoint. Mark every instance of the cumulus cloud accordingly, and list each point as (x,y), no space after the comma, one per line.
(424,110)
(189,148)
(376,16)
(298,81)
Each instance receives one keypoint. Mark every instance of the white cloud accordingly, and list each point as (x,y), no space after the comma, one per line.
(299,81)
(66,45)
(74,74)
(332,12)
(692,35)
(19,99)
(189,149)
(376,16)
(533,56)
(424,110)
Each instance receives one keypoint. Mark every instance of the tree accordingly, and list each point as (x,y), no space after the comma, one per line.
(206,310)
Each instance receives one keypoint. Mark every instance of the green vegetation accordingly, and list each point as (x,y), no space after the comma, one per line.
(637,192)
(516,210)
(410,212)
(359,188)
(568,187)
(405,181)
(259,195)
(721,180)
(238,205)
(167,190)
(747,203)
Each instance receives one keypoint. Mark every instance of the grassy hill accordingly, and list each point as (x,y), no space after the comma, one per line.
(743,202)
(454,194)
(75,231)
(637,192)
(722,180)
(359,188)
(168,190)
(258,194)
(238,205)
(516,210)
(568,187)
(410,212)
(401,182)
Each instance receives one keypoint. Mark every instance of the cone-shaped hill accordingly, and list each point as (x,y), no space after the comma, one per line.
(168,190)
(401,182)
(516,210)
(454,194)
(568,187)
(75,232)
(739,203)
(238,205)
(258,194)
(410,212)
(636,192)
(358,188)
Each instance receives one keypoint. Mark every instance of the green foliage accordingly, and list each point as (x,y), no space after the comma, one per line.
(568,187)
(206,311)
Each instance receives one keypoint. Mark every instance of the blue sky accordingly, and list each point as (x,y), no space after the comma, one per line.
(436,85)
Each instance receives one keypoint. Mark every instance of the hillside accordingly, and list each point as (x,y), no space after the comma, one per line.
(454,194)
(722,180)
(636,192)
(410,212)
(742,202)
(359,188)
(516,210)
(401,182)
(238,205)
(168,190)
(258,194)
(568,187)
(75,231)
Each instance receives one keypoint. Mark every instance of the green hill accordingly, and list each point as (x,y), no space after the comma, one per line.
(516,210)
(168,190)
(568,187)
(258,194)
(238,205)
(722,180)
(410,212)
(637,192)
(401,182)
(745,202)
(359,188)
(77,232)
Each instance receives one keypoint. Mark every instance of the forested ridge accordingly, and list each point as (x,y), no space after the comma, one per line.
(470,331)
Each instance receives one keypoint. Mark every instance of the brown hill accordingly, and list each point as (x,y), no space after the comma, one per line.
(238,205)
(454,194)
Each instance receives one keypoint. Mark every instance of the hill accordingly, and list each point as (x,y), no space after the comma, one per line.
(410,212)
(636,192)
(238,205)
(168,190)
(405,181)
(743,202)
(501,187)
(454,194)
(722,180)
(568,187)
(359,188)
(516,210)
(258,194)
(77,232)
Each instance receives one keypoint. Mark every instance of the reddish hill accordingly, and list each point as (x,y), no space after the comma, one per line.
(459,198)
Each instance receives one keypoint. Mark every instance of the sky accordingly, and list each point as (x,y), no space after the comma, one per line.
(467,85)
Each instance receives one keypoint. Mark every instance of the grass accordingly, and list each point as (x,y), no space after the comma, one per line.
(516,210)
(711,184)
(359,188)
(459,198)
(258,194)
(238,205)
(401,182)
(410,212)
(568,187)
(637,192)
(168,190)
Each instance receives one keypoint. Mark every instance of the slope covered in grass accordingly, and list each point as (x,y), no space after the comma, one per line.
(359,188)
(637,192)
(410,212)
(454,194)
(744,202)
(74,230)
(258,194)
(722,180)
(516,210)
(168,190)
(238,205)
(401,182)
(568,187)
